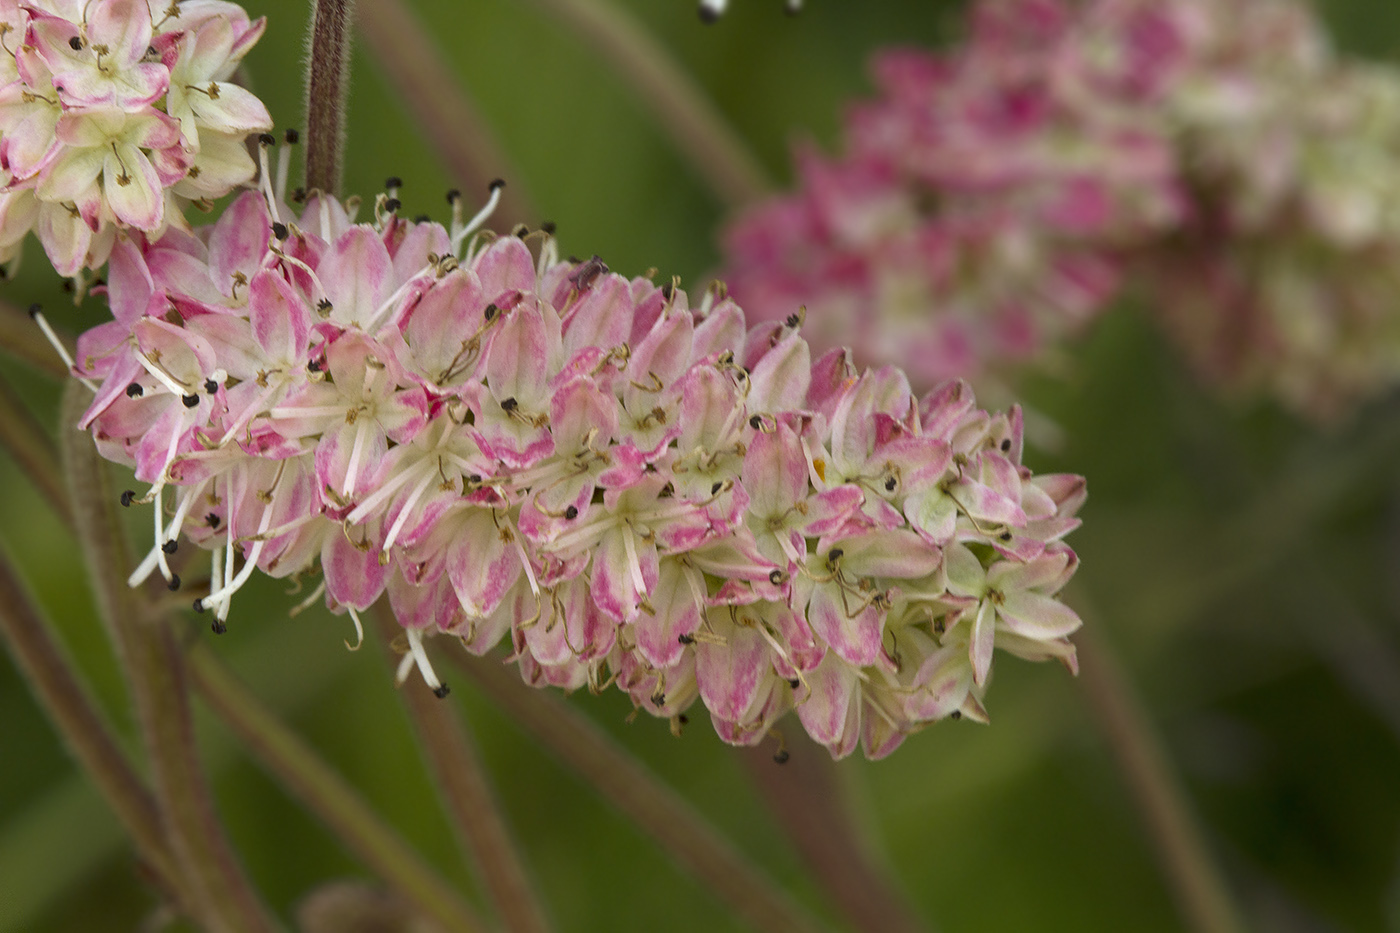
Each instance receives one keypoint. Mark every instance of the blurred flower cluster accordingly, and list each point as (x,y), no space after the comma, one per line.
(116,114)
(995,197)
(629,489)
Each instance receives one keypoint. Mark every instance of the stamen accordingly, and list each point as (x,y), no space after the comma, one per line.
(359,629)
(480,217)
(37,313)
(284,163)
(305,604)
(266,142)
(407,510)
(425,667)
(356,452)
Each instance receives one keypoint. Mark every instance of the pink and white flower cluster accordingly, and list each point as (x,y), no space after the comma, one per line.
(995,197)
(116,114)
(629,489)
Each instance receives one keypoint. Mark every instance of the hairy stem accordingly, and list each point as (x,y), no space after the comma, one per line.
(155,671)
(21,338)
(447,116)
(641,796)
(327,89)
(805,795)
(462,783)
(88,735)
(1200,891)
(696,127)
(327,794)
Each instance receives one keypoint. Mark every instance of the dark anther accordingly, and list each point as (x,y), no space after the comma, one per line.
(548,227)
(1006,536)
(686,639)
(714,490)
(324,306)
(218,627)
(299,195)
(509,405)
(392,205)
(939,627)
(658,698)
(314,366)
(134,390)
(474,478)
(794,683)
(127,496)
(587,273)
(75,43)
(441,691)
(211,386)
(683,719)
(520,231)
(279,230)
(190,400)
(890,484)
(422,219)
(1006,444)
(835,554)
(174,583)
(782,756)
(453,195)
(571,513)
(490,312)
(35,310)
(496,184)
(955,714)
(170,546)
(292,137)
(393,181)
(755,422)
(776,577)
(212,520)
(266,139)
(793,320)
(668,290)
(199,605)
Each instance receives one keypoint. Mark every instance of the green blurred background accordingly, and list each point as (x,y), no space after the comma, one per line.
(1243,565)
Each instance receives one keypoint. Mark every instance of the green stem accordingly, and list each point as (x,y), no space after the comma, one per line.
(433,93)
(1196,882)
(328,795)
(805,795)
(465,790)
(327,90)
(155,670)
(88,735)
(641,796)
(696,127)
(21,338)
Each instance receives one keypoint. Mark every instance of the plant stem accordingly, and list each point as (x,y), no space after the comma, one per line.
(462,783)
(155,671)
(1200,891)
(805,795)
(433,93)
(327,89)
(326,793)
(696,127)
(641,796)
(33,451)
(88,735)
(21,338)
